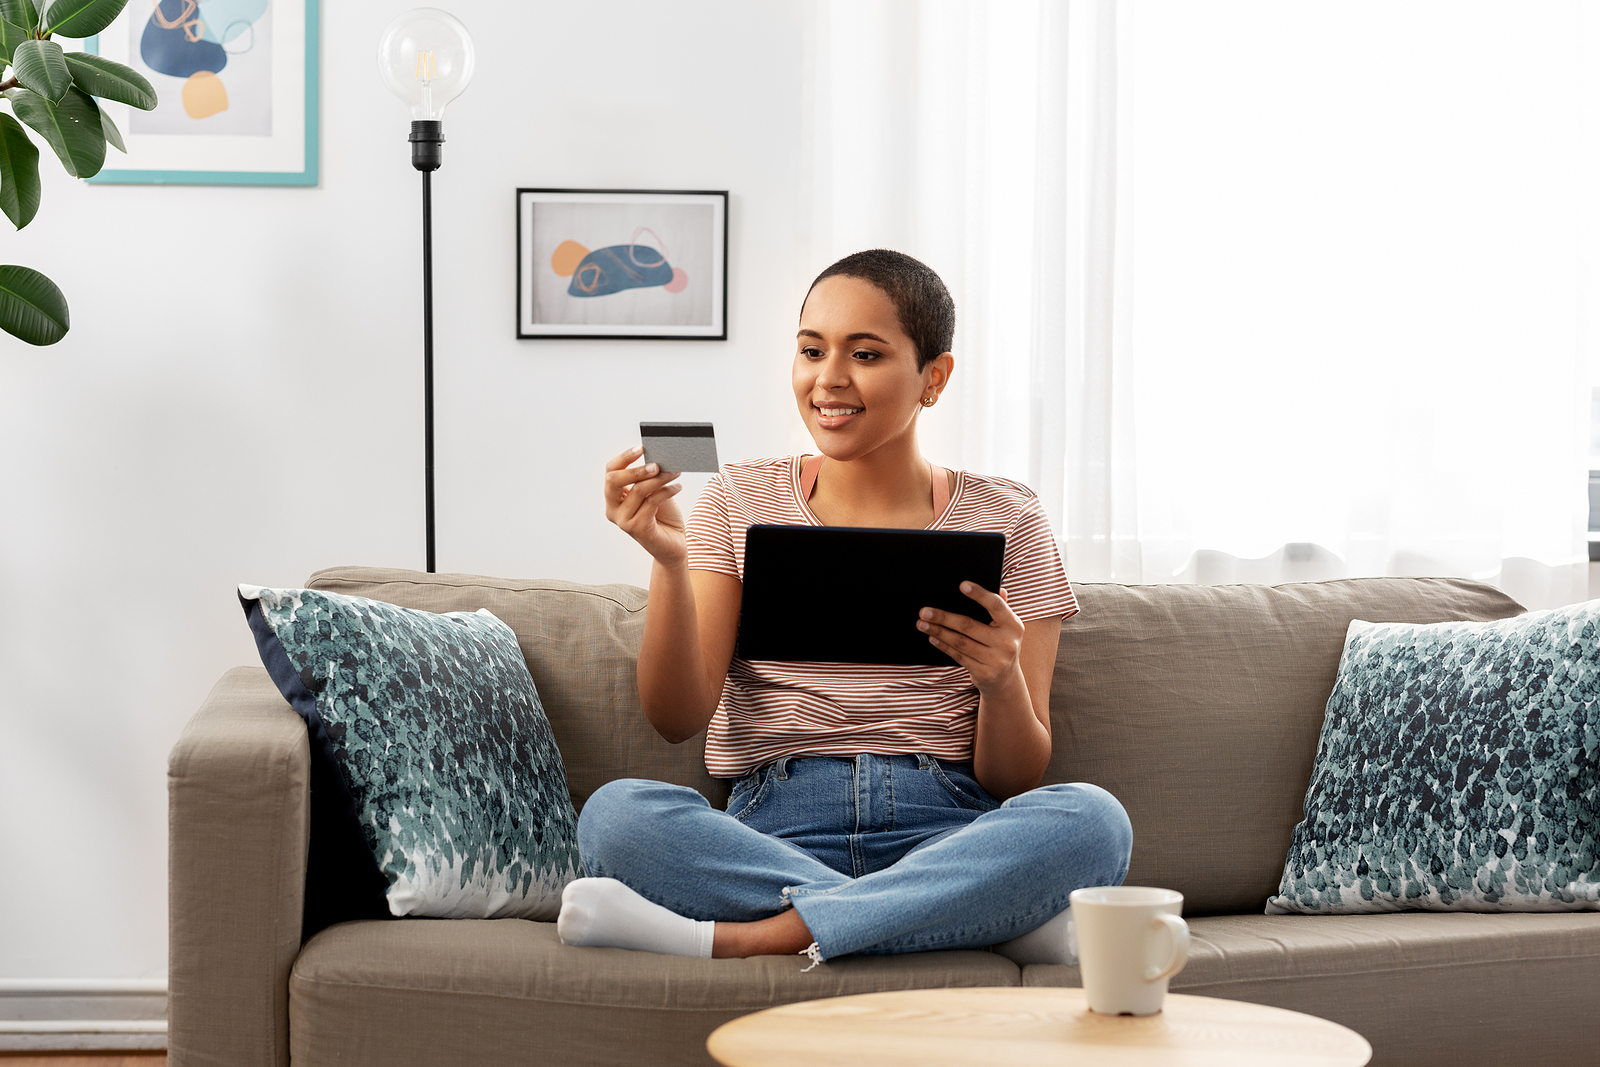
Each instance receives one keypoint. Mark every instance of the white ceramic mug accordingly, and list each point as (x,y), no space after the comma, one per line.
(1130,942)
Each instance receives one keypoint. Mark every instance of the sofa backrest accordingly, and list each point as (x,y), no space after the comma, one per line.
(1200,707)
(581,643)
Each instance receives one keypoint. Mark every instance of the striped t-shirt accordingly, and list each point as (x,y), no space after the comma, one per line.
(771,709)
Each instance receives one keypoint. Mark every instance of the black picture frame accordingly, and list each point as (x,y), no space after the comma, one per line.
(577,249)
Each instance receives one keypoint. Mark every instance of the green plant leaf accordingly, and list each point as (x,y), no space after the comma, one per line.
(113,135)
(110,80)
(42,67)
(31,307)
(81,18)
(11,35)
(71,127)
(21,13)
(19,173)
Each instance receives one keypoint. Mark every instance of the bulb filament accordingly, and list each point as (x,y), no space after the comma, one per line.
(426,69)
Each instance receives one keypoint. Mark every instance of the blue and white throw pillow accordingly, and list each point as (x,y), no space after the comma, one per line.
(432,728)
(1458,769)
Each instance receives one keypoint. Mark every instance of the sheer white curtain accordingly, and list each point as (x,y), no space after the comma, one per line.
(1246,291)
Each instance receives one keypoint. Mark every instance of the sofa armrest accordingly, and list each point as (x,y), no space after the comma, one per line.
(239,800)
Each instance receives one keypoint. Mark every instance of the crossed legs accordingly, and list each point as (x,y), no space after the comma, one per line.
(1006,873)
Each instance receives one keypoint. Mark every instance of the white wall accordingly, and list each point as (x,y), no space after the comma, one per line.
(240,400)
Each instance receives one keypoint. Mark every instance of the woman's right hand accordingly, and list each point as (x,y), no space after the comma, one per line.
(639,500)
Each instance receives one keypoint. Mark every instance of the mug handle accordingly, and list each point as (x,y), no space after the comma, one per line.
(1180,947)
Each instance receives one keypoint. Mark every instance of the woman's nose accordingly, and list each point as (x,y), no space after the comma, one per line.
(834,372)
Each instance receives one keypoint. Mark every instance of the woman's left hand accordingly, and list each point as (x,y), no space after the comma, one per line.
(989,651)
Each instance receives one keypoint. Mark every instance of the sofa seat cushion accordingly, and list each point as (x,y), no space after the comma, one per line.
(506,991)
(1422,987)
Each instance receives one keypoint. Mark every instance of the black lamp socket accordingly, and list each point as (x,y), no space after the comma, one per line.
(426,138)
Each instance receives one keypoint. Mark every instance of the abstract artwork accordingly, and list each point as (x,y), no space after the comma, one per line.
(596,263)
(237,80)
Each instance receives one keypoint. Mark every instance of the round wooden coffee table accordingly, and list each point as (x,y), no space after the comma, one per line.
(1025,1027)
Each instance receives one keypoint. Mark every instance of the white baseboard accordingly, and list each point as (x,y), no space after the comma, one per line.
(82,1014)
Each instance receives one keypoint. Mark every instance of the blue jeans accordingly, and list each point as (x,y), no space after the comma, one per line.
(878,854)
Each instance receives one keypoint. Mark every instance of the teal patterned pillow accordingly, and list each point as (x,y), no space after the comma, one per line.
(1459,769)
(441,751)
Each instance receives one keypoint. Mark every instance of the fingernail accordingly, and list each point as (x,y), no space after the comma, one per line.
(922,626)
(933,640)
(651,468)
(966,587)
(636,449)
(926,613)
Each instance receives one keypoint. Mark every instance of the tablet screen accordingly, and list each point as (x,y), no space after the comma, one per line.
(837,594)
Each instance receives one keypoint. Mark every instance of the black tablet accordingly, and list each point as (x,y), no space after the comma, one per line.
(838,594)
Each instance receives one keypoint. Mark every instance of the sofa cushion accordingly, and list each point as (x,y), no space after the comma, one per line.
(1459,769)
(508,992)
(432,727)
(1425,988)
(581,643)
(1199,707)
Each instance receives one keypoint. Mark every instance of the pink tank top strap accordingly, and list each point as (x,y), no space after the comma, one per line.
(808,475)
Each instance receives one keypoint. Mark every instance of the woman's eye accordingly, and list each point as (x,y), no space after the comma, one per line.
(811,353)
(863,354)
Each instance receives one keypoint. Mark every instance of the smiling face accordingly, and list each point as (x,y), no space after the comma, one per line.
(855,371)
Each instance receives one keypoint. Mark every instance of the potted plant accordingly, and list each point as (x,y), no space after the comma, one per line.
(56,93)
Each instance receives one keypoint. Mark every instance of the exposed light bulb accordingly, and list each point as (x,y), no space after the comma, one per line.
(426,59)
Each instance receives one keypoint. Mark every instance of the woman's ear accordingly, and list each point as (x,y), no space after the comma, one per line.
(939,368)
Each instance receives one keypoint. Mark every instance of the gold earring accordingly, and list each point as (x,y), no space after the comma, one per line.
(929,401)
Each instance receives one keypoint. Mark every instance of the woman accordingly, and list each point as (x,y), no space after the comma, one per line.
(877,809)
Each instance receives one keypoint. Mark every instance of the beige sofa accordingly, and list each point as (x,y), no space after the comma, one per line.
(1198,706)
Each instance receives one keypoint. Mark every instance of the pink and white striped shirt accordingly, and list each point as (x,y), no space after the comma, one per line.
(771,709)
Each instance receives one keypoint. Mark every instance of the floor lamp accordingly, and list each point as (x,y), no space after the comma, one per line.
(426,59)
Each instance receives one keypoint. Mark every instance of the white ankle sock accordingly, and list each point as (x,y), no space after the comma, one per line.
(1054,942)
(604,913)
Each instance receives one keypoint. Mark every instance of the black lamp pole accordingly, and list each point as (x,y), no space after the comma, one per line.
(426,137)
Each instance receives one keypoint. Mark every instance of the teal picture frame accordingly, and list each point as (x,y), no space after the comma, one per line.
(309,175)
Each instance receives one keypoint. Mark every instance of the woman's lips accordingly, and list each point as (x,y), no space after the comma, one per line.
(835,422)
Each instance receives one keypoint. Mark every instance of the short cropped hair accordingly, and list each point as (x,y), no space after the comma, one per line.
(927,312)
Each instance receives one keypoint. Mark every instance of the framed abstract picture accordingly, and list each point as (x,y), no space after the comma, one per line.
(237,81)
(611,263)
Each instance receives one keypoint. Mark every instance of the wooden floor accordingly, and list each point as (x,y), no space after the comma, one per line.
(83,1059)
